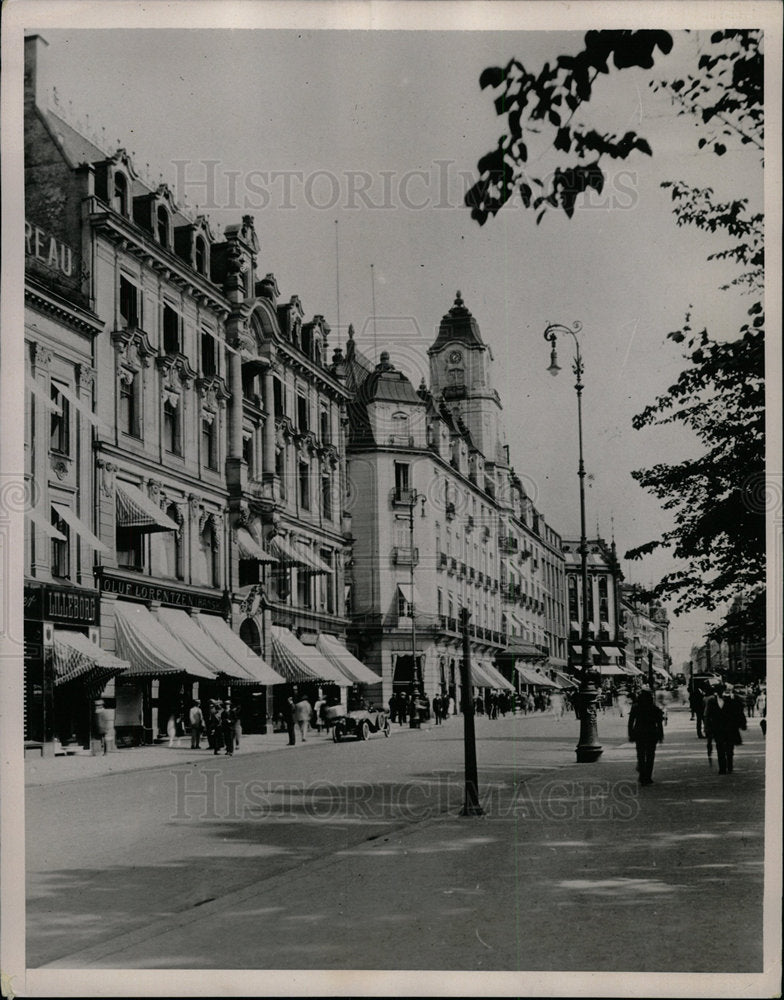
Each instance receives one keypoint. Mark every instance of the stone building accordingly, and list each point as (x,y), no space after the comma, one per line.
(647,633)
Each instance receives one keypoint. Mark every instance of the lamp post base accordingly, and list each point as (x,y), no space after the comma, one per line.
(588,748)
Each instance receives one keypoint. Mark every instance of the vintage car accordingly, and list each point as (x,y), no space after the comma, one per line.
(360,722)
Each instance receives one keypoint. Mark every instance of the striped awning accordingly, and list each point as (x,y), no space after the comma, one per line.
(479,676)
(249,548)
(565,681)
(79,527)
(286,551)
(135,510)
(533,677)
(150,648)
(499,681)
(257,668)
(76,658)
(611,670)
(337,654)
(201,646)
(298,662)
(312,562)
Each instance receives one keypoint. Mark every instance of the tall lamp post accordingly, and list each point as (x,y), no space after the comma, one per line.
(588,747)
(414,719)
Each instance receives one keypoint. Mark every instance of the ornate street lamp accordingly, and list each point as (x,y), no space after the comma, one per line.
(588,748)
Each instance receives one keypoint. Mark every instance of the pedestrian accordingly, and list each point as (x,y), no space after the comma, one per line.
(646,729)
(697,705)
(557,705)
(289,716)
(318,713)
(171,730)
(214,725)
(452,707)
(303,711)
(227,721)
(402,708)
(724,719)
(196,720)
(102,725)
(237,727)
(393,707)
(437,709)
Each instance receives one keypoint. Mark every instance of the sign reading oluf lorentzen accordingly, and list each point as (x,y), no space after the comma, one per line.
(45,247)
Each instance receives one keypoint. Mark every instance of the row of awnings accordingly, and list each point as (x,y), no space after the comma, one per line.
(529,675)
(484,674)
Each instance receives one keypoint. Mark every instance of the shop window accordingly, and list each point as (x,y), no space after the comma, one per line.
(61,549)
(171,428)
(171,330)
(129,302)
(120,194)
(60,423)
(130,399)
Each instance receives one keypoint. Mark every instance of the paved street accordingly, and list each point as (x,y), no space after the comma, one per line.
(319,856)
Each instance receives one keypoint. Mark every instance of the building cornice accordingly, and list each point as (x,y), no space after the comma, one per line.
(45,301)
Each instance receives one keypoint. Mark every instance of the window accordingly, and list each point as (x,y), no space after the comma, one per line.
(403,607)
(440,601)
(163,226)
(400,428)
(129,302)
(574,614)
(326,496)
(130,386)
(61,549)
(209,451)
(200,255)
(324,428)
(402,479)
(304,485)
(166,550)
(208,565)
(209,360)
(278,394)
(120,199)
(171,330)
(603,607)
(60,423)
(247,453)
(171,427)
(280,469)
(129,545)
(302,412)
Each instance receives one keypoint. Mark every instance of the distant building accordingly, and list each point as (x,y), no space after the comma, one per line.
(646,628)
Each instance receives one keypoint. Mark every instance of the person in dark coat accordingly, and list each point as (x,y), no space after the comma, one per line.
(437,709)
(646,729)
(402,708)
(696,703)
(290,715)
(724,719)
(214,729)
(228,721)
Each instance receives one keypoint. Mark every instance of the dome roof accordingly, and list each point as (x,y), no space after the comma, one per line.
(387,384)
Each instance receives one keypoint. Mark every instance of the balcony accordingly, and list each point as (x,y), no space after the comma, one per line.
(404,555)
(402,496)
(508,544)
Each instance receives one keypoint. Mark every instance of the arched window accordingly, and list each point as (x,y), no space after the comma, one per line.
(120,193)
(200,254)
(249,633)
(163,226)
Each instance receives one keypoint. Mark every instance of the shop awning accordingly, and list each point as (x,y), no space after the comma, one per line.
(577,649)
(613,651)
(479,676)
(76,658)
(298,662)
(565,680)
(531,676)
(286,551)
(255,666)
(79,527)
(524,650)
(249,548)
(337,654)
(44,524)
(200,645)
(312,562)
(498,679)
(135,510)
(411,596)
(611,670)
(150,648)
(556,661)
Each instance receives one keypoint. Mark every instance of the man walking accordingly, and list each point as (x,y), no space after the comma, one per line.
(724,719)
(228,720)
(302,714)
(290,713)
(196,720)
(646,729)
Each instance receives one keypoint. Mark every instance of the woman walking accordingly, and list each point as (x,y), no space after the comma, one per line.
(646,729)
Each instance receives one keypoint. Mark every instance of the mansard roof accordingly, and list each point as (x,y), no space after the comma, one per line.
(457,325)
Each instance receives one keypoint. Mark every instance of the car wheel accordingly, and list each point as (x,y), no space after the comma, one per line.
(335,735)
(364,731)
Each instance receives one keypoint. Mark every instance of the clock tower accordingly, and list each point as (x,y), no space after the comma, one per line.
(460,376)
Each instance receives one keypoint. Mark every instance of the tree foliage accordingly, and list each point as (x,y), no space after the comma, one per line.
(542,113)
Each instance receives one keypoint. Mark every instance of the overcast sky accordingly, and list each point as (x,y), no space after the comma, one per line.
(386,105)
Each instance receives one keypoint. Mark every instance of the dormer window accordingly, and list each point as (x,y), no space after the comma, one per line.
(162,218)
(200,255)
(120,193)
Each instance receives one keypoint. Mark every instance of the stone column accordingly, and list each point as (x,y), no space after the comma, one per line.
(268,453)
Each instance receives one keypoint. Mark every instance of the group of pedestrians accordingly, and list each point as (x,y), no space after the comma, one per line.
(720,720)
(221,725)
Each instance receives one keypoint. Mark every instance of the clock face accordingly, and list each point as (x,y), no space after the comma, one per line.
(455,357)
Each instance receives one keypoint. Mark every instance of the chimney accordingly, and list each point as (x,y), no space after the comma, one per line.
(36,84)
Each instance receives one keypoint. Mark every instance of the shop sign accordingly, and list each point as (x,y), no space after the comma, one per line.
(43,246)
(70,605)
(141,590)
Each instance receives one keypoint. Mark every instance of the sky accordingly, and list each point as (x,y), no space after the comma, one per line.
(292,125)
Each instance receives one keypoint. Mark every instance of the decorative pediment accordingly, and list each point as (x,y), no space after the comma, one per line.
(285,431)
(212,390)
(121,159)
(175,368)
(133,347)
